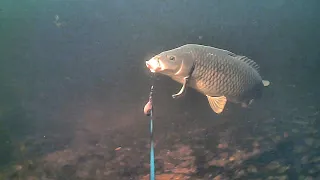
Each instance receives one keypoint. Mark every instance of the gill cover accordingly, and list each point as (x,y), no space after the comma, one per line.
(186,65)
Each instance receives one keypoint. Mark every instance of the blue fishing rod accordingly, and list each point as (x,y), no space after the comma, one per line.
(148,110)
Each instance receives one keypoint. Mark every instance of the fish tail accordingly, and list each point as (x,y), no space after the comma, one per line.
(265,83)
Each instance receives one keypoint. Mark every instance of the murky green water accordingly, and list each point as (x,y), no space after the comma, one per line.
(74,82)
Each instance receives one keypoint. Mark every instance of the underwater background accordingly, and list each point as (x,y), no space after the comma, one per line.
(73,83)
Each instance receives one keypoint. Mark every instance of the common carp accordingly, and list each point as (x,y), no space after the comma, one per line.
(217,73)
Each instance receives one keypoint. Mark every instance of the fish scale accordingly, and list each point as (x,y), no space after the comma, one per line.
(215,81)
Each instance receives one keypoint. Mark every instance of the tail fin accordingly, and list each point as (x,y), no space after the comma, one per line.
(265,83)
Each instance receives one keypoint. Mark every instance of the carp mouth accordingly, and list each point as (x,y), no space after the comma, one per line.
(154,65)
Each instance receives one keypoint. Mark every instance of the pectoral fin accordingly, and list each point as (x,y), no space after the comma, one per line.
(217,104)
(183,90)
(186,79)
(265,83)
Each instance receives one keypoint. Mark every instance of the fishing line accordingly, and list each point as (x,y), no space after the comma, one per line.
(148,110)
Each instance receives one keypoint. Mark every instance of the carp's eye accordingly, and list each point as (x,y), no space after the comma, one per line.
(172,58)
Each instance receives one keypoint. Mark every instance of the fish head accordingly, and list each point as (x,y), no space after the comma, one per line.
(171,63)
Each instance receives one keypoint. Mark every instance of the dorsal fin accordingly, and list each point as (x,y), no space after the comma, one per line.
(248,61)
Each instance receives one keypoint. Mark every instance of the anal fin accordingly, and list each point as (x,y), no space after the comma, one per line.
(265,83)
(217,104)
